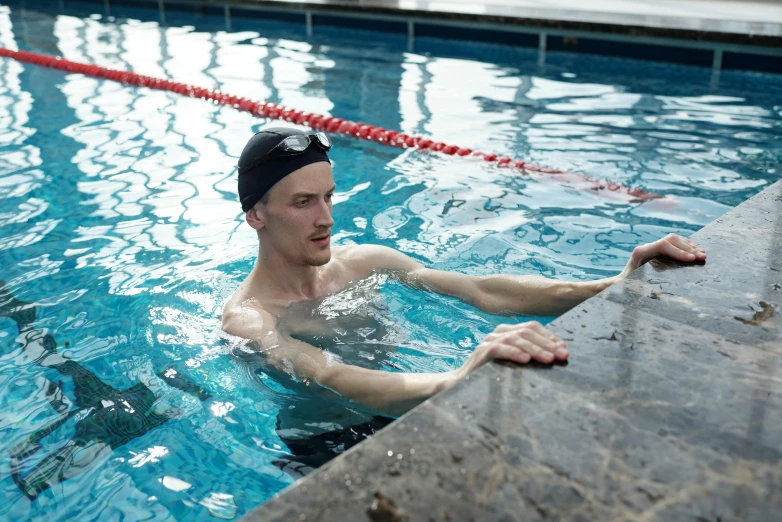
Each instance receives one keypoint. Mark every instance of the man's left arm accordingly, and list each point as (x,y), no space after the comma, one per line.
(528,295)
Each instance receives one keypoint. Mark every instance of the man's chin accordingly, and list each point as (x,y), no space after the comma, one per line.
(320,259)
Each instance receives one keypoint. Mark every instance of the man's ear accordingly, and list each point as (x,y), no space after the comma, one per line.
(255,218)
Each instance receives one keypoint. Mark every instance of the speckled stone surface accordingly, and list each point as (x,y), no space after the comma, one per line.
(726,295)
(669,409)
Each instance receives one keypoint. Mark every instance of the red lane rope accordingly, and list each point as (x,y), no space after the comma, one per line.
(318,121)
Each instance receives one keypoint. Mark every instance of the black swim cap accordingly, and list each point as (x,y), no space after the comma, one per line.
(256,182)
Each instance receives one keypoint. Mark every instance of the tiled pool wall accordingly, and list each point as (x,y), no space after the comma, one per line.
(713,49)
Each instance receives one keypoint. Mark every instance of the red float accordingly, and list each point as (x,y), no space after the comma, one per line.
(363,131)
(315,121)
(334,124)
(378,134)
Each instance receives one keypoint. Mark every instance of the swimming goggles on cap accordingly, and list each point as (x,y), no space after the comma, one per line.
(292,146)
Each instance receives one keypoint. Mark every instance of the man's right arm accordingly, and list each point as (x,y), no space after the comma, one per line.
(391,393)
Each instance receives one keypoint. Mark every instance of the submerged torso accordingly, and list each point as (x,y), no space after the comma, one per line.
(352,327)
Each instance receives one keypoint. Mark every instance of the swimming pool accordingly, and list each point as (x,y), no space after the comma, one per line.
(120,221)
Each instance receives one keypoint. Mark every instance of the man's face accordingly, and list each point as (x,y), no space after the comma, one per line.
(296,219)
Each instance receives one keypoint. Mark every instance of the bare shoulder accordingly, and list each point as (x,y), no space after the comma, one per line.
(363,259)
(246,318)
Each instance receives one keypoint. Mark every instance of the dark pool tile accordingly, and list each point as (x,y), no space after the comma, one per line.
(42,5)
(648,417)
(134,3)
(197,9)
(752,62)
(264,14)
(640,51)
(737,292)
(367,24)
(476,35)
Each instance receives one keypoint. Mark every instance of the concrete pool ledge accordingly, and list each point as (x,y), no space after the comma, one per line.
(669,409)
(718,34)
(757,22)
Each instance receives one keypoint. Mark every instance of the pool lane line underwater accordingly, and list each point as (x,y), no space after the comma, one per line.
(331,124)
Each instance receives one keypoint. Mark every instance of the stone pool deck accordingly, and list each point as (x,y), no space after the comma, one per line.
(669,409)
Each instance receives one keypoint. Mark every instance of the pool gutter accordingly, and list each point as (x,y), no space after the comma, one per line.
(734,23)
(669,409)
(730,34)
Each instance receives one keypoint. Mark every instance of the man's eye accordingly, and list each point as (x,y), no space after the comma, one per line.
(301,202)
(329,196)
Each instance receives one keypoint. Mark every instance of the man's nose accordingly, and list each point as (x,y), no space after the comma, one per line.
(324,216)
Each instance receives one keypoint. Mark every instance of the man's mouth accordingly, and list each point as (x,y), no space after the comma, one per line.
(322,239)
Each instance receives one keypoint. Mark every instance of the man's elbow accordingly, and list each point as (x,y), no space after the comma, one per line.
(479,292)
(341,379)
(490,295)
(492,305)
(328,376)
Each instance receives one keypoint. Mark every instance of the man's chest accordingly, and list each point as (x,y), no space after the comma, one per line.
(356,318)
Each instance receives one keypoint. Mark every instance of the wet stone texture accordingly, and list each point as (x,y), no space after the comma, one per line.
(737,293)
(669,409)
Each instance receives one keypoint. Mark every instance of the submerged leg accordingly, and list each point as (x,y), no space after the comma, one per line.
(66,462)
(21,452)
(35,344)
(20,311)
(42,348)
(180,382)
(57,399)
(312,452)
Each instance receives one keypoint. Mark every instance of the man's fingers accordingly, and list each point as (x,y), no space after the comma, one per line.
(511,353)
(700,253)
(539,328)
(526,341)
(688,246)
(673,251)
(535,351)
(521,350)
(504,328)
(550,344)
(548,334)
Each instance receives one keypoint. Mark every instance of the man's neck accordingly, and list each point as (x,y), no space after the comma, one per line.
(277,276)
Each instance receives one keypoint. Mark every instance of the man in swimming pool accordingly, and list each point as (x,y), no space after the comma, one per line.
(286,188)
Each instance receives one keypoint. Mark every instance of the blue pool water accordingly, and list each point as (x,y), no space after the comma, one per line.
(119,221)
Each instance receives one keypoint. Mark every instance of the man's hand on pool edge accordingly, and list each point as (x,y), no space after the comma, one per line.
(672,245)
(530,341)
(519,343)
